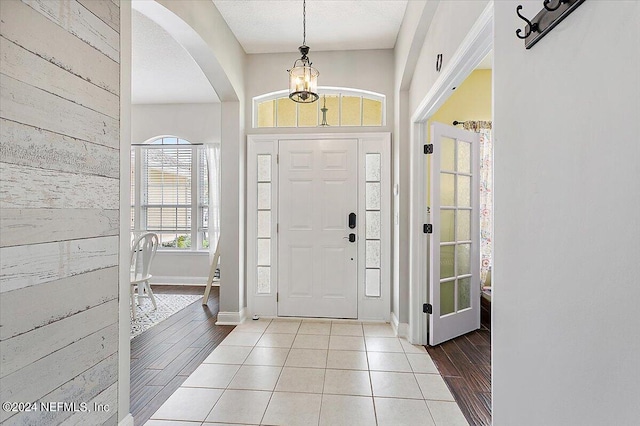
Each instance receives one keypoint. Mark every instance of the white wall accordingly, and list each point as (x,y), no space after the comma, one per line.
(450,25)
(203,32)
(567,229)
(414,28)
(429,28)
(197,123)
(354,69)
(60,209)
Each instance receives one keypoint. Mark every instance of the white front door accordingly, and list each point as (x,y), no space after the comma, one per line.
(454,264)
(318,190)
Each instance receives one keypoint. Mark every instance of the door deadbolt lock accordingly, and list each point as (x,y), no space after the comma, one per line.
(352,220)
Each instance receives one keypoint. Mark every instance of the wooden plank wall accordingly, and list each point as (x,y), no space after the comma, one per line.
(59,207)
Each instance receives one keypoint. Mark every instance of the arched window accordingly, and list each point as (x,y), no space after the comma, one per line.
(170,192)
(344,107)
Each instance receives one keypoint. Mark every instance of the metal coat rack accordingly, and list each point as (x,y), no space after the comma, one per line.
(552,13)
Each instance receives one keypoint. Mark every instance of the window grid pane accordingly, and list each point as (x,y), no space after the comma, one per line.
(373,224)
(347,109)
(263,225)
(371,112)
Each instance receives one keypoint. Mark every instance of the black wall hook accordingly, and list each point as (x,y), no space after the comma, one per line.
(531,26)
(546,20)
(551,9)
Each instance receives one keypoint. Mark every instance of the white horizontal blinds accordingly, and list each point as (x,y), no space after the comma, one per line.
(203,197)
(133,189)
(166,199)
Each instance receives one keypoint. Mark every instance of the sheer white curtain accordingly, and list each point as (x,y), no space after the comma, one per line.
(212,152)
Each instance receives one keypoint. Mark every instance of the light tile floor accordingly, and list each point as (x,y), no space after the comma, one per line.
(312,372)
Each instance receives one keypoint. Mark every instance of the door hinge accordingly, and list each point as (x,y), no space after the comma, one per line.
(277,158)
(277,228)
(427,308)
(427,228)
(277,297)
(428,148)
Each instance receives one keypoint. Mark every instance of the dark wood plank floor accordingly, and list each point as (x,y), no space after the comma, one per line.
(465,365)
(165,355)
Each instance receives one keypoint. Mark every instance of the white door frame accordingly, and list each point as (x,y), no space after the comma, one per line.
(263,301)
(473,49)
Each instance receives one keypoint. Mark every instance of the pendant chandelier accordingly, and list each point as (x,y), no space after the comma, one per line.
(303,78)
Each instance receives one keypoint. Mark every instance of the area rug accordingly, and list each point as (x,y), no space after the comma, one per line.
(168,304)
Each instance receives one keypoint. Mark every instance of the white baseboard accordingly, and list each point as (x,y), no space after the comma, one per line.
(127,421)
(403,330)
(400,328)
(231,318)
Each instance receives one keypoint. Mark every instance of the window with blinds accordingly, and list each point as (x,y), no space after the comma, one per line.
(203,200)
(170,194)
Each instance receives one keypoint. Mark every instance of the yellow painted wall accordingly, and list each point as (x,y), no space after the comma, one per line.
(470,101)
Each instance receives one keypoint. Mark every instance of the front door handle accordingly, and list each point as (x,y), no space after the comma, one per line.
(351,237)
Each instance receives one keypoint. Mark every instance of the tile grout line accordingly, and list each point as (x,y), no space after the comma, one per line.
(279,375)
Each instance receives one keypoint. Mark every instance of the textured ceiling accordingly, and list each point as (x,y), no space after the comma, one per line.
(276,26)
(162,71)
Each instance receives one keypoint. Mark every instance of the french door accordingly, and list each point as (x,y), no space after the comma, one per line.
(454,245)
(317,228)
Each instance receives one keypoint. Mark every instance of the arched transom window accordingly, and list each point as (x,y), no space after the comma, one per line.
(344,107)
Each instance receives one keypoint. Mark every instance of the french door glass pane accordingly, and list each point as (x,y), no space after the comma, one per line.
(464,293)
(447,228)
(463,259)
(448,154)
(463,225)
(447,297)
(446,261)
(447,189)
(464,191)
(464,157)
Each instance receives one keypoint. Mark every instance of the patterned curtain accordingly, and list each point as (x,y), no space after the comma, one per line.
(486,195)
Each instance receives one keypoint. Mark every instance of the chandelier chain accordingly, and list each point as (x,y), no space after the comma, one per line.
(304,22)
